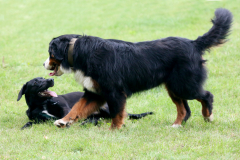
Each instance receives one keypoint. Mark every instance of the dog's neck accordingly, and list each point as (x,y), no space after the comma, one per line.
(33,100)
(70,51)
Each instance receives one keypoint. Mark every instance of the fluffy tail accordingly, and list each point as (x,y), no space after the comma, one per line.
(218,33)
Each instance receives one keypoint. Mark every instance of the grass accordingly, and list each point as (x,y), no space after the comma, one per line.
(28,26)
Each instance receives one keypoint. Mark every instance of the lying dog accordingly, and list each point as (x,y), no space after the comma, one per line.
(44,104)
(112,70)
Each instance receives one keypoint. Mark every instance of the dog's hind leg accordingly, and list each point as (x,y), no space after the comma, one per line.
(89,103)
(188,111)
(207,101)
(181,112)
(181,109)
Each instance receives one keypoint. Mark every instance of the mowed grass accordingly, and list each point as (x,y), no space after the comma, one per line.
(26,30)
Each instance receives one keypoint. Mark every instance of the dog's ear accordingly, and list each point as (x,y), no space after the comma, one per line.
(58,49)
(22,92)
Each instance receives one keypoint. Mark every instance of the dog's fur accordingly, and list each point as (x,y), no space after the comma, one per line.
(44,105)
(112,70)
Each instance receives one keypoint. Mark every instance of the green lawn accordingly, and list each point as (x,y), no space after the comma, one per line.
(26,28)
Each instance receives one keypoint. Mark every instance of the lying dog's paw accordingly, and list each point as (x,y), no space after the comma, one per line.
(27,125)
(62,124)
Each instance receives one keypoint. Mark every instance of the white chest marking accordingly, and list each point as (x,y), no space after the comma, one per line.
(65,71)
(46,112)
(85,81)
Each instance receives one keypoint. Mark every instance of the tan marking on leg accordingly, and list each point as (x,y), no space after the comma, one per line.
(80,110)
(181,113)
(205,111)
(118,121)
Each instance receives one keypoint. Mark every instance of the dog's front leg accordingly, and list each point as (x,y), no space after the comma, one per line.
(116,102)
(89,103)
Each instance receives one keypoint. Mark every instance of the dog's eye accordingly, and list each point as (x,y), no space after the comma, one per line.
(35,82)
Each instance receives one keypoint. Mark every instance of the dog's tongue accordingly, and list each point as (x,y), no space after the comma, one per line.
(53,94)
(52,74)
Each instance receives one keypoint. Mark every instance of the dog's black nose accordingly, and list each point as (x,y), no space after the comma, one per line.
(43,64)
(50,79)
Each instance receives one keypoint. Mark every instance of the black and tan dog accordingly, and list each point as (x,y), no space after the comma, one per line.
(112,70)
(44,104)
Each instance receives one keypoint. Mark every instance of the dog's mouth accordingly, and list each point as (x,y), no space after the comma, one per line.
(55,68)
(47,93)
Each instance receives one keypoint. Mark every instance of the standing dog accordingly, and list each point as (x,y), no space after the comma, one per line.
(44,104)
(112,70)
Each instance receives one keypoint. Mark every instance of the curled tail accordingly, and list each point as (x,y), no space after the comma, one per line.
(218,33)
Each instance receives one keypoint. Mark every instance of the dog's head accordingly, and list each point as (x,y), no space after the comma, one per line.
(58,54)
(38,87)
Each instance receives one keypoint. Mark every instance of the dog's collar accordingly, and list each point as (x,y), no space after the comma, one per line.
(70,51)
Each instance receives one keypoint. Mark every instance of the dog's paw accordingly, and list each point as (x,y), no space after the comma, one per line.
(27,125)
(209,119)
(62,124)
(176,125)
